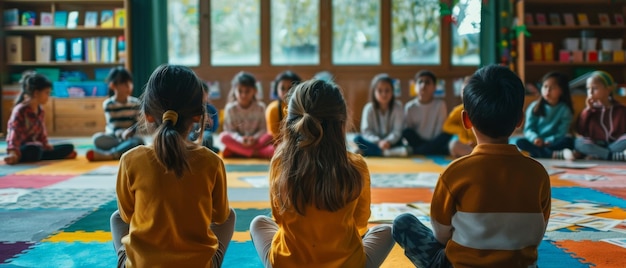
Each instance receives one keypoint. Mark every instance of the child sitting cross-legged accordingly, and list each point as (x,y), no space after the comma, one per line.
(491,207)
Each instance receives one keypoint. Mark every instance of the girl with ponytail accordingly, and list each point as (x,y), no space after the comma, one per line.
(319,192)
(173,190)
(27,138)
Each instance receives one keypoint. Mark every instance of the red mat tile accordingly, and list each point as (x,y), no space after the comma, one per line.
(31,181)
(601,254)
(401,195)
(617,192)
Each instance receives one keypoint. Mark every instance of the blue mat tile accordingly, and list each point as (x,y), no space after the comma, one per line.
(59,254)
(439,160)
(245,216)
(573,194)
(241,255)
(34,225)
(246,167)
(550,256)
(7,169)
(248,194)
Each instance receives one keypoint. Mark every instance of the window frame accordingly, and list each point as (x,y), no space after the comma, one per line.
(354,79)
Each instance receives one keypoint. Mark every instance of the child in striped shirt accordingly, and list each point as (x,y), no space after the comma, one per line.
(121,112)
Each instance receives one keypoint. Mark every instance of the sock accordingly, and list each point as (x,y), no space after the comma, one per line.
(72,155)
(95,155)
(557,155)
(618,156)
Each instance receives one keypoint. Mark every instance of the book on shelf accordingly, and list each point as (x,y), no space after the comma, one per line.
(60,49)
(568,19)
(120,18)
(28,18)
(555,19)
(46,19)
(91,19)
(604,20)
(18,49)
(528,19)
(72,19)
(582,19)
(106,19)
(541,19)
(60,18)
(76,49)
(619,19)
(43,47)
(11,17)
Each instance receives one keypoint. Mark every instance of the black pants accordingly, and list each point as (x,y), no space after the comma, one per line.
(33,153)
(436,146)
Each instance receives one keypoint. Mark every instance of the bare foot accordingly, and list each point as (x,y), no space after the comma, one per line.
(11,159)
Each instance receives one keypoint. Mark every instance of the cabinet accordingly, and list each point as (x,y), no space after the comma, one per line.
(104,43)
(535,56)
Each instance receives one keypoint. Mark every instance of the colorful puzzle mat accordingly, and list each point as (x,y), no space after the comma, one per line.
(56,213)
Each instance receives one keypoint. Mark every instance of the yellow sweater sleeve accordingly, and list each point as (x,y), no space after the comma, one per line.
(454,125)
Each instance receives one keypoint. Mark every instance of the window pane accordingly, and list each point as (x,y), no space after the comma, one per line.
(466,33)
(235,32)
(295,32)
(356,31)
(415,32)
(183,32)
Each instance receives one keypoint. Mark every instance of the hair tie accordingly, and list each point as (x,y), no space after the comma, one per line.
(606,77)
(170,115)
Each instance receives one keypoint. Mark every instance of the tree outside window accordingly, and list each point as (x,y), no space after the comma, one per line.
(356,32)
(415,29)
(235,33)
(466,33)
(295,32)
(183,32)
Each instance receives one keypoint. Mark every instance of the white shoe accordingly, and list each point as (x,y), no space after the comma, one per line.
(396,151)
(568,154)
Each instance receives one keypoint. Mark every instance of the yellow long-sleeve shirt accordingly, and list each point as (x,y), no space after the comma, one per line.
(454,125)
(322,238)
(170,217)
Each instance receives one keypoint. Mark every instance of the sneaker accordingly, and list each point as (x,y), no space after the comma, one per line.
(72,155)
(396,151)
(568,155)
(96,155)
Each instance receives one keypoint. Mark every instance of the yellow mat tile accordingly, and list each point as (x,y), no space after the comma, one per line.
(249,204)
(234,180)
(97,236)
(396,259)
(241,236)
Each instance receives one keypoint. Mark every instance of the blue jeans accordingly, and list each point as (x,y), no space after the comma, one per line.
(545,151)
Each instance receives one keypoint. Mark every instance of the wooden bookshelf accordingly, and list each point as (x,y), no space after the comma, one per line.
(532,70)
(61,124)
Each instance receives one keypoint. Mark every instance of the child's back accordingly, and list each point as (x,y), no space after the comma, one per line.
(489,208)
(172,197)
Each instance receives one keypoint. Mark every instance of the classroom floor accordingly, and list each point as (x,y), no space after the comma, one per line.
(59,217)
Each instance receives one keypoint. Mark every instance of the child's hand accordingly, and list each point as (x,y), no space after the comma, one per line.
(592,103)
(384,144)
(538,142)
(12,158)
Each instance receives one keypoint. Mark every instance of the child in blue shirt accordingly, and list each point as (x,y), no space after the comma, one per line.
(210,125)
(548,121)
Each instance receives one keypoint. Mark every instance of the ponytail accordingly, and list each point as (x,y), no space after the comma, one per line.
(169,147)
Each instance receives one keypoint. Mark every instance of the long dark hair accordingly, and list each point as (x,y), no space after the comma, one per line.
(173,88)
(32,82)
(563,82)
(311,158)
(377,79)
